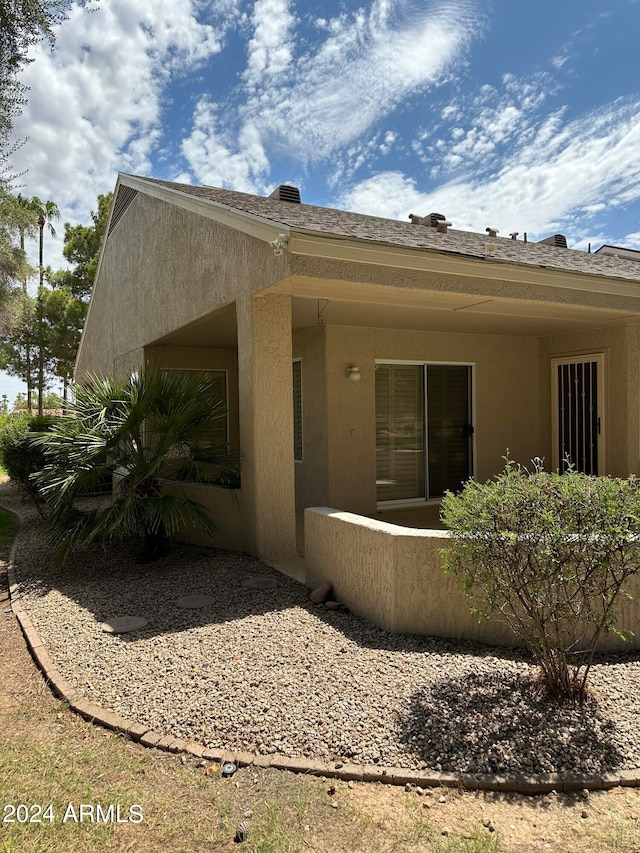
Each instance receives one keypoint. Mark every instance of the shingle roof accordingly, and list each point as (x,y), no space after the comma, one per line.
(359,226)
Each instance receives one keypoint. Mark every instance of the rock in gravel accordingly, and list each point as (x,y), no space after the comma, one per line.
(321,593)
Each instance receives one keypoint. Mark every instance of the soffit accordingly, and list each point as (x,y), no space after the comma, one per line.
(436,312)
(455,313)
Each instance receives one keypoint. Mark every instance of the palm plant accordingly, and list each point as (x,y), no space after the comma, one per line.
(143,433)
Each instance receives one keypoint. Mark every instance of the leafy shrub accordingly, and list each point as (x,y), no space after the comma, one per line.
(549,554)
(19,456)
(153,428)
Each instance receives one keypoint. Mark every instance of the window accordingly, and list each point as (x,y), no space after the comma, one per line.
(220,427)
(297,410)
(423,430)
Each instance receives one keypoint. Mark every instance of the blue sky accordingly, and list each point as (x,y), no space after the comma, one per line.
(524,117)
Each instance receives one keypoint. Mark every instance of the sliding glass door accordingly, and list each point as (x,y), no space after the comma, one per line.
(423,430)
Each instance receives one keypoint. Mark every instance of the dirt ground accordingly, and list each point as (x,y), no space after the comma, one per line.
(46,751)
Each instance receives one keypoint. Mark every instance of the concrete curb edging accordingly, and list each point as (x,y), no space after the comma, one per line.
(517,783)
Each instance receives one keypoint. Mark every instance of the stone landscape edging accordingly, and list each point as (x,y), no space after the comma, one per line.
(517,783)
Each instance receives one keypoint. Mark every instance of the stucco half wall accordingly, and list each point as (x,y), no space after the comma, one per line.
(393,576)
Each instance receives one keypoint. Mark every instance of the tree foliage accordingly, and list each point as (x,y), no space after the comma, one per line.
(20,458)
(45,333)
(82,249)
(140,433)
(14,268)
(549,554)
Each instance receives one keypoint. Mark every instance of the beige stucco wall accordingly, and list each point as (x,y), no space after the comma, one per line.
(224,507)
(392,576)
(339,468)
(265,387)
(163,268)
(621,421)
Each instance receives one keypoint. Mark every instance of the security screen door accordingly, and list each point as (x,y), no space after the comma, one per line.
(577,429)
(423,429)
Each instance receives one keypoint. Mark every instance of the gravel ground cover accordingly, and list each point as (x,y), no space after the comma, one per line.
(264,670)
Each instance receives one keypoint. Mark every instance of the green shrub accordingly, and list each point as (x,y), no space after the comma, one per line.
(549,554)
(19,456)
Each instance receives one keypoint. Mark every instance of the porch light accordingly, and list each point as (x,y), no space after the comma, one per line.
(353,374)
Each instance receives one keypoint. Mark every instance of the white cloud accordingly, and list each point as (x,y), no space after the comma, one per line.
(482,124)
(361,72)
(271,48)
(588,166)
(219,160)
(95,103)
(325,99)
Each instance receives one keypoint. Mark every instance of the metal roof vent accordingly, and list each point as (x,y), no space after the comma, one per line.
(285,192)
(431,221)
(123,200)
(492,232)
(558,240)
(434,218)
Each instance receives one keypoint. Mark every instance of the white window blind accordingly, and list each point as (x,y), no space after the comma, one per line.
(400,466)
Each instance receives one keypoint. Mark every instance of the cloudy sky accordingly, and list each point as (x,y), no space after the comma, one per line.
(525,117)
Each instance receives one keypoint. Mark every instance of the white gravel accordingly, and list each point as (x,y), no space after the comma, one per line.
(264,670)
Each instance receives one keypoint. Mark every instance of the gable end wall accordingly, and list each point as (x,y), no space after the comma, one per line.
(162,268)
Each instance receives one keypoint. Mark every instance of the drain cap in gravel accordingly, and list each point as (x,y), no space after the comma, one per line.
(259,582)
(123,624)
(193,602)
(228,769)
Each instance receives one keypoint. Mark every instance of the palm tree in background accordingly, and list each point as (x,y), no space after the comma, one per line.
(28,211)
(47,211)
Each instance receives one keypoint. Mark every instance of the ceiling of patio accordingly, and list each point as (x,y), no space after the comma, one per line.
(412,310)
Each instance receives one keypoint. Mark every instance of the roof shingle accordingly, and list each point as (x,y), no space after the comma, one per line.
(359,226)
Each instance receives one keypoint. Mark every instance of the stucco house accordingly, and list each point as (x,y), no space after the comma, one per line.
(368,364)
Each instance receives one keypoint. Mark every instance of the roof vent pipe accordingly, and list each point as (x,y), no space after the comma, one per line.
(514,235)
(492,232)
(442,225)
(285,192)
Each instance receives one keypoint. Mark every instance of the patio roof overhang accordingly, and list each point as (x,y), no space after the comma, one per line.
(360,282)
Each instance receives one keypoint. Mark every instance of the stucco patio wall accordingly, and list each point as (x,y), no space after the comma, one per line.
(392,576)
(225,508)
